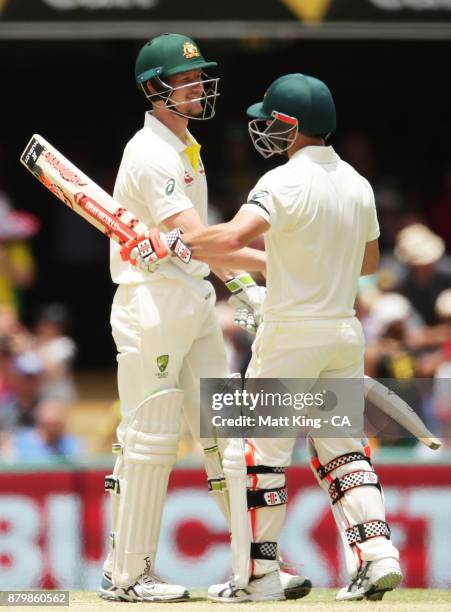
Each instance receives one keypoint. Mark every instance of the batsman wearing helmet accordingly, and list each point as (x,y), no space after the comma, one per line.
(321,234)
(164,324)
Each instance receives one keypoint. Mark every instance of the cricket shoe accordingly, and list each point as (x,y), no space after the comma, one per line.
(146,588)
(373,581)
(294,587)
(260,588)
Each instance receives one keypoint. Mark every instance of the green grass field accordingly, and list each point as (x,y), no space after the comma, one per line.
(319,599)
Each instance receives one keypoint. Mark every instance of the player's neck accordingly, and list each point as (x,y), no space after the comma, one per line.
(305,141)
(176,123)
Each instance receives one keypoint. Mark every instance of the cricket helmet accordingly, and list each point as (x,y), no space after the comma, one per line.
(293,103)
(168,55)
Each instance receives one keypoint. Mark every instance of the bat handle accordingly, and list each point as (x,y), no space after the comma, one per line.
(198,286)
(127,248)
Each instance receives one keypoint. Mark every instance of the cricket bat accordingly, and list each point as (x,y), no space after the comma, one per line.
(89,200)
(396,408)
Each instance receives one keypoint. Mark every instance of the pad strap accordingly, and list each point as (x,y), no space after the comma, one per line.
(264,550)
(259,498)
(362,478)
(217,484)
(264,469)
(324,470)
(112,484)
(365,531)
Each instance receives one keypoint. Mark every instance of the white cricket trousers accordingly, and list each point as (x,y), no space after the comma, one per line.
(167,336)
(313,349)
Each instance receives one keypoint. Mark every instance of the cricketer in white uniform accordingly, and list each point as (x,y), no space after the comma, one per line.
(166,331)
(321,235)
(167,335)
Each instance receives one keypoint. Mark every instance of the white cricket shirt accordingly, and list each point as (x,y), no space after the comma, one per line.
(156,179)
(322,214)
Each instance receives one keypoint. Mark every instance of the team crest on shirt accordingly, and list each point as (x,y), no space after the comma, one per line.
(162,363)
(188,179)
(190,50)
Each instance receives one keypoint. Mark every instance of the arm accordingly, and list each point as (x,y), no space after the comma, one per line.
(223,264)
(225,238)
(370,258)
(253,260)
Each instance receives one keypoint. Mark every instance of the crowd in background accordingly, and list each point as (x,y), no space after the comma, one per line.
(405,311)
(36,385)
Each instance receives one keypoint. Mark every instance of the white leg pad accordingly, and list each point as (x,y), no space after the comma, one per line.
(150,449)
(359,505)
(235,472)
(114,510)
(217,485)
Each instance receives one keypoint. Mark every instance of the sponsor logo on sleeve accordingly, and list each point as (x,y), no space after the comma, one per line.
(259,198)
(170,186)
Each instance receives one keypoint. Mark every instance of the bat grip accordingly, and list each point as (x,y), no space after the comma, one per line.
(155,239)
(127,249)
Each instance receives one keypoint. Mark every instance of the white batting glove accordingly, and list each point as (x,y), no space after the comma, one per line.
(244,318)
(247,299)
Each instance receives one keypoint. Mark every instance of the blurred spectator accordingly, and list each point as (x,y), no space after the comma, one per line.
(13,331)
(17,270)
(48,439)
(389,357)
(6,361)
(56,351)
(26,378)
(442,377)
(420,249)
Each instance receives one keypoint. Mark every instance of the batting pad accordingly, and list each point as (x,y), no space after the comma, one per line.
(114,511)
(150,448)
(217,486)
(358,506)
(235,472)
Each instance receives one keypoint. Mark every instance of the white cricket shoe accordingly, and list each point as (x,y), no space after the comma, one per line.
(146,588)
(263,588)
(294,587)
(373,581)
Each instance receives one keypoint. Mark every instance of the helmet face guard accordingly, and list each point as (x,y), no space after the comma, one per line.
(276,135)
(164,92)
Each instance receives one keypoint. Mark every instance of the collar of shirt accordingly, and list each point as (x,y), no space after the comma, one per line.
(192,151)
(322,155)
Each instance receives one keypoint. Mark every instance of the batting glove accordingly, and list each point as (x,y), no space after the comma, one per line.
(149,250)
(247,299)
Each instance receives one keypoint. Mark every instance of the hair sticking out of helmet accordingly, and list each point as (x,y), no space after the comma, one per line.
(166,56)
(276,135)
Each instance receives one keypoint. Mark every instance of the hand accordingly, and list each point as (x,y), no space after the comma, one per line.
(247,299)
(244,317)
(149,250)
